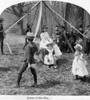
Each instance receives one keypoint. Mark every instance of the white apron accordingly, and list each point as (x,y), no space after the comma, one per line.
(79,65)
(58,52)
(45,39)
(49,59)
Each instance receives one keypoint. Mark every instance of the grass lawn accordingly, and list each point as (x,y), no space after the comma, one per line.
(50,81)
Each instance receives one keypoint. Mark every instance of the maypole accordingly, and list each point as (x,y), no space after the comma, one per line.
(39,20)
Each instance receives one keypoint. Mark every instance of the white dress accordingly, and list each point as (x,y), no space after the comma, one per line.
(79,65)
(45,39)
(58,52)
(49,58)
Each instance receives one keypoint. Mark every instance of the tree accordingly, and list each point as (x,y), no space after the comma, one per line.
(74,15)
(19,10)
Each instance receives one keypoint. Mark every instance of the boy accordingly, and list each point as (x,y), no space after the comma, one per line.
(28,32)
(30,50)
(2,34)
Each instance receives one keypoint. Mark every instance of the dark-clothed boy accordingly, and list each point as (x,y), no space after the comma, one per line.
(27,32)
(2,35)
(30,50)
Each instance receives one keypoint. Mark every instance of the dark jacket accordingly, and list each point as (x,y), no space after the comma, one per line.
(1,31)
(30,50)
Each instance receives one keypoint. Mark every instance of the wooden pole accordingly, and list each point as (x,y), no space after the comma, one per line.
(68,42)
(39,20)
(8,47)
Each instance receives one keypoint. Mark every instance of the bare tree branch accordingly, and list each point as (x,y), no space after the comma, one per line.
(9,12)
(9,9)
(26,11)
(27,5)
(15,11)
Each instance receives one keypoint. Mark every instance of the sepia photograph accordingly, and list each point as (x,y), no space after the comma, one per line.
(45,49)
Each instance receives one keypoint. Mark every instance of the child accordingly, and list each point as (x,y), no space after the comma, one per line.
(30,50)
(79,64)
(28,33)
(49,57)
(45,39)
(54,53)
(2,35)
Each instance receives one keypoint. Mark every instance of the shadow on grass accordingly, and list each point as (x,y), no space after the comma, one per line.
(88,79)
(47,84)
(80,91)
(5,69)
(10,68)
(13,68)
(61,62)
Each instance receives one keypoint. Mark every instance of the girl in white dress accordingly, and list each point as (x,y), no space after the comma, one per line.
(49,57)
(54,53)
(79,64)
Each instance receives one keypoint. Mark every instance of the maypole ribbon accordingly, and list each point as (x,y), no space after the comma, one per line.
(16,23)
(65,20)
(39,20)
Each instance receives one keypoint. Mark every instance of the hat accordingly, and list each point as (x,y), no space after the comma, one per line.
(63,27)
(44,27)
(57,26)
(80,28)
(78,46)
(1,19)
(88,26)
(49,43)
(29,25)
(30,36)
(79,41)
